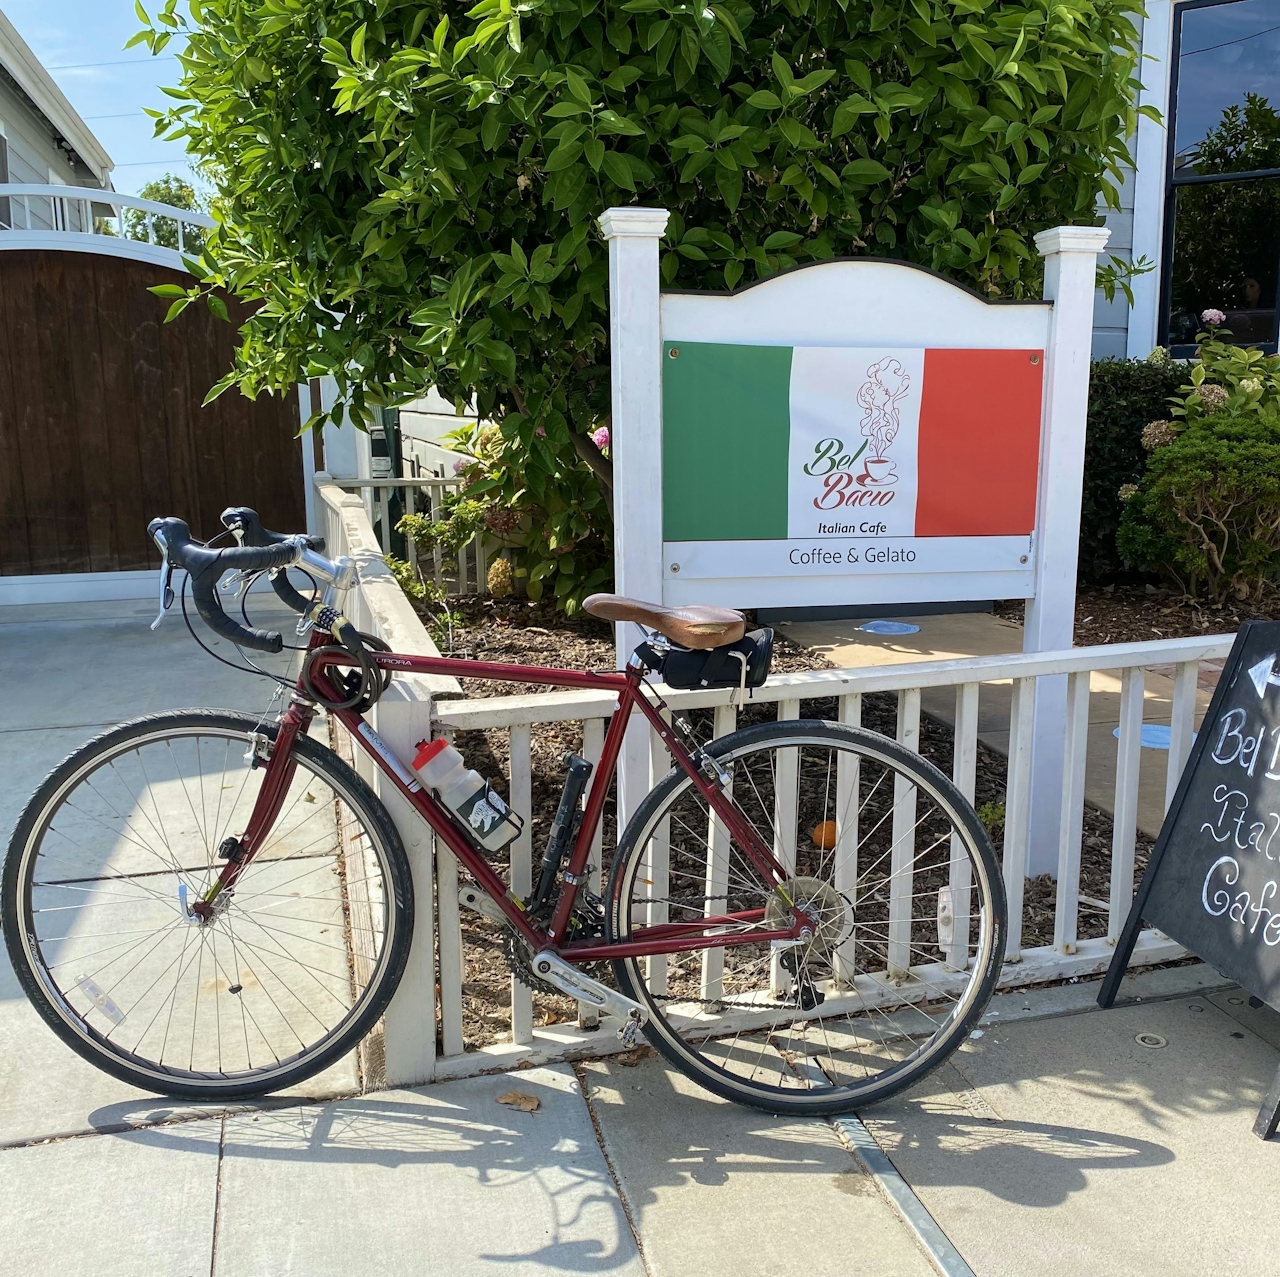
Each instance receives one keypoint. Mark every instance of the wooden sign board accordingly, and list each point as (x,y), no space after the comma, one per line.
(1213,882)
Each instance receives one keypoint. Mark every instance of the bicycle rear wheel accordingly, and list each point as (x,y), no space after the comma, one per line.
(296,963)
(900,877)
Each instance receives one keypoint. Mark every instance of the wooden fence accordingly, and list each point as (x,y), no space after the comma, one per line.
(101,424)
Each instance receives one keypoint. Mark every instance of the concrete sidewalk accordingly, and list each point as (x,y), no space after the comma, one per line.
(1059,1138)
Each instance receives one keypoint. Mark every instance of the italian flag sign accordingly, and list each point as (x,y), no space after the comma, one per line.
(765,443)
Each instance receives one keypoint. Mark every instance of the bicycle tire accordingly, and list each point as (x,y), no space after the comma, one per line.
(687,1041)
(393,911)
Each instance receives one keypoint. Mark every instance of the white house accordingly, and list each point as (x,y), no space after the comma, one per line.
(42,140)
(1204,203)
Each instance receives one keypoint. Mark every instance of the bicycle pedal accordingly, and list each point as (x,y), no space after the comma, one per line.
(629,1031)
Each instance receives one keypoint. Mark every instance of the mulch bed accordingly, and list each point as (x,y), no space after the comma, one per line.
(517,631)
(1138,614)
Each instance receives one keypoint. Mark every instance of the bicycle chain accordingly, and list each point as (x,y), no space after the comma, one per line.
(515,951)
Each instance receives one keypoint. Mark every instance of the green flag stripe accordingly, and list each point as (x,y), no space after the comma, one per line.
(725,435)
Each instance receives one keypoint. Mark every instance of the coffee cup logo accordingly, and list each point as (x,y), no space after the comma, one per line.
(879,397)
(854,431)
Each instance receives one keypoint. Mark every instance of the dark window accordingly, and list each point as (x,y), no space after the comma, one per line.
(1222,215)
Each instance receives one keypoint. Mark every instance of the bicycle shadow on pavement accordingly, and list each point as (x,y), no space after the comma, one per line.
(463,1170)
(661,1132)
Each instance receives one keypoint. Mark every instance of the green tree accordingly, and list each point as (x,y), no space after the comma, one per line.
(410,189)
(176,193)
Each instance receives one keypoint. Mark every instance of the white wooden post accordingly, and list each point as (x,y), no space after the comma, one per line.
(308,461)
(635,335)
(1070,267)
(403,717)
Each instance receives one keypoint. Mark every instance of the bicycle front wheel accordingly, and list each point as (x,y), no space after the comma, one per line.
(293,967)
(888,858)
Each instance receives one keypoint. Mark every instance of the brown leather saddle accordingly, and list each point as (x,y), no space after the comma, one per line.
(696,627)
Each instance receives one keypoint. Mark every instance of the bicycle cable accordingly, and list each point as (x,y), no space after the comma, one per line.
(244,604)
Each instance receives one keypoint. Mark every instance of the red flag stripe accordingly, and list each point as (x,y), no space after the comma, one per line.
(979,445)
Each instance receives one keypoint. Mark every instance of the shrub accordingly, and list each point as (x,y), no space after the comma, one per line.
(1124,396)
(557,527)
(410,188)
(1207,512)
(1225,378)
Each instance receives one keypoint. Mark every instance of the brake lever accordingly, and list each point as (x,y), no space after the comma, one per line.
(166,581)
(235,584)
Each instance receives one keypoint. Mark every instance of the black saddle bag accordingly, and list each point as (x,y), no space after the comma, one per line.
(686,668)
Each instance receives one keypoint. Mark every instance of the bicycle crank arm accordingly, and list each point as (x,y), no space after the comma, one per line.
(577,984)
(475,899)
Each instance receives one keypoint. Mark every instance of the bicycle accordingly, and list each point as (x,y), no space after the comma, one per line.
(202,903)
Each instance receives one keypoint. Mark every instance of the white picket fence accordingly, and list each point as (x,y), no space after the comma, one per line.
(1067,956)
(424,1025)
(465,572)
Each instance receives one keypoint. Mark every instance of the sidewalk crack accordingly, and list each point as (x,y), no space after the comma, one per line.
(217,1199)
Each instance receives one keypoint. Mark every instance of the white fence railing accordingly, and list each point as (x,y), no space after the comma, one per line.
(463,572)
(1068,955)
(404,1052)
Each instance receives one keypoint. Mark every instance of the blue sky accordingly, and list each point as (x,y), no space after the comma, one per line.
(81,43)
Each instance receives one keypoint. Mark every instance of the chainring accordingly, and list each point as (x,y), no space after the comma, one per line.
(585,923)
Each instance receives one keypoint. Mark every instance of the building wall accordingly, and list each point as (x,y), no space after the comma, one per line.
(35,157)
(1111,319)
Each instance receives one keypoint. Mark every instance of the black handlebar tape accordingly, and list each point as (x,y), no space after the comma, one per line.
(285,592)
(253,533)
(205,566)
(204,589)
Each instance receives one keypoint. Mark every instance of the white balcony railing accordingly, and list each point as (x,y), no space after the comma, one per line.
(34,215)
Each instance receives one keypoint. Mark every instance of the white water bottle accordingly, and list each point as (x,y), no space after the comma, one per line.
(467,794)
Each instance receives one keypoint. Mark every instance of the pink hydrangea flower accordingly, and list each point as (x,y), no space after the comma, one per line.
(601,438)
(1213,317)
(457,466)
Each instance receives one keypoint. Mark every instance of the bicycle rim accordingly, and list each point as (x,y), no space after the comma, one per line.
(295,963)
(896,870)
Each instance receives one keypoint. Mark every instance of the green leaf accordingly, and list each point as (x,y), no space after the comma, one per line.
(176,309)
(864,172)
(616,166)
(847,114)
(357,42)
(729,184)
(782,239)
(167,290)
(594,151)
(217,307)
(563,156)
(764,100)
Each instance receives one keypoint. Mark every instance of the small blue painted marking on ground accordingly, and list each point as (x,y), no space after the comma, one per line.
(889,627)
(1154,735)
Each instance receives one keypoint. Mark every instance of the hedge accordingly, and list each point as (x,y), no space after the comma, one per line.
(1124,395)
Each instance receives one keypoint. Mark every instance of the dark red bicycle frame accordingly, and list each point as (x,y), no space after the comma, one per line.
(672,937)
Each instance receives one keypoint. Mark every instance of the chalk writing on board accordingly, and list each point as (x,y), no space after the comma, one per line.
(1213,881)
(1226,870)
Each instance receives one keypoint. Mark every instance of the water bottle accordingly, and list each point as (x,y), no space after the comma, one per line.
(467,794)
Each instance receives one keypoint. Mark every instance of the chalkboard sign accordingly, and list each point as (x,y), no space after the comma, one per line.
(1213,881)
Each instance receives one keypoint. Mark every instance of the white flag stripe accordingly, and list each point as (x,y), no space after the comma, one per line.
(855,417)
